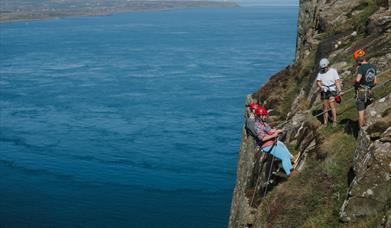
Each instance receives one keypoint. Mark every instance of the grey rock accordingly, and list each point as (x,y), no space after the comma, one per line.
(371,188)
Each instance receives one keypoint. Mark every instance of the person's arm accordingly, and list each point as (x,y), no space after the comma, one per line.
(338,84)
(269,137)
(358,78)
(319,84)
(250,125)
(357,81)
(277,130)
(337,81)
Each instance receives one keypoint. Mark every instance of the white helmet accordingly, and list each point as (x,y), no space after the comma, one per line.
(324,63)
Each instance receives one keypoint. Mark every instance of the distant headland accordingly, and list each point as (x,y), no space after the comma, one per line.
(11,10)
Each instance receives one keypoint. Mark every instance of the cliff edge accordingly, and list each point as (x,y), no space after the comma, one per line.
(345,174)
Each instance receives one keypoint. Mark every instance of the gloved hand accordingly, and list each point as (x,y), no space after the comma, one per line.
(356,85)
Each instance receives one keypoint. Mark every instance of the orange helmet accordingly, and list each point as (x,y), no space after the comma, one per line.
(358,53)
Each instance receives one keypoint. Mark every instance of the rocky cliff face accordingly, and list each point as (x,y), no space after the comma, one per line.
(370,190)
(344,174)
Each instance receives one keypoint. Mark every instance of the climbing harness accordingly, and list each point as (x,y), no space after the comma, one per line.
(366,91)
(329,90)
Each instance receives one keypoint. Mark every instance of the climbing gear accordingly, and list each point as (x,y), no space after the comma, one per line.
(327,87)
(347,91)
(358,53)
(268,177)
(338,99)
(363,90)
(261,169)
(253,106)
(324,63)
(352,98)
(261,111)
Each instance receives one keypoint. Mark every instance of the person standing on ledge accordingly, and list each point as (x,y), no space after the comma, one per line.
(330,86)
(364,81)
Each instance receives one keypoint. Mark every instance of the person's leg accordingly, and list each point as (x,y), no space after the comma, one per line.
(361,118)
(333,109)
(282,153)
(361,110)
(325,112)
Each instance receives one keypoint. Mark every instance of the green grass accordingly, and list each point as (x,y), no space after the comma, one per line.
(313,198)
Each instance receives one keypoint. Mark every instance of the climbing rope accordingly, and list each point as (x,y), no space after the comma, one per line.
(347,91)
(268,178)
(261,168)
(382,84)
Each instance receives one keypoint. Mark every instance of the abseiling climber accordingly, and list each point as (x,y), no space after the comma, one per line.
(364,82)
(250,119)
(267,137)
(330,86)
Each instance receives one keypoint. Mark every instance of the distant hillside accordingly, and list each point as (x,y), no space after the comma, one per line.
(11,10)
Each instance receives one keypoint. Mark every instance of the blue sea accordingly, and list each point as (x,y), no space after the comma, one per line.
(133,119)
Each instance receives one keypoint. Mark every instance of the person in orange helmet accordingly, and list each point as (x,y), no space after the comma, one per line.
(364,82)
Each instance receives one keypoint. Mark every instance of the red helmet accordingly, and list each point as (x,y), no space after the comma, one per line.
(261,111)
(254,106)
(358,53)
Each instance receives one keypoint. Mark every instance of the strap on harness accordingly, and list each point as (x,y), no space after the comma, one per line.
(366,90)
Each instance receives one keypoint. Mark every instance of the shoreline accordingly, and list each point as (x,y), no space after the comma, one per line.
(137,7)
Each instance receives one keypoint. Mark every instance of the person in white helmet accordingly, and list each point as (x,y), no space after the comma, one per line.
(329,85)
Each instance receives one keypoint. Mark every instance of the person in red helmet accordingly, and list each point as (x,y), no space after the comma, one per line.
(268,136)
(250,118)
(364,81)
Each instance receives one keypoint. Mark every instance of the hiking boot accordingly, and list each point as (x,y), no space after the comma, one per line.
(334,124)
(293,173)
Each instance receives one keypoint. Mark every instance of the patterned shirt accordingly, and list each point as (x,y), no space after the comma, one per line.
(263,129)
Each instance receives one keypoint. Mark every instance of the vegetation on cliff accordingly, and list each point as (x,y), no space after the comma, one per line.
(331,29)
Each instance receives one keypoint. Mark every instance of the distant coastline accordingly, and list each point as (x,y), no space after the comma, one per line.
(11,12)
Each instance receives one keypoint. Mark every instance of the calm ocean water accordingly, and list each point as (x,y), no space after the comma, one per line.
(131,120)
